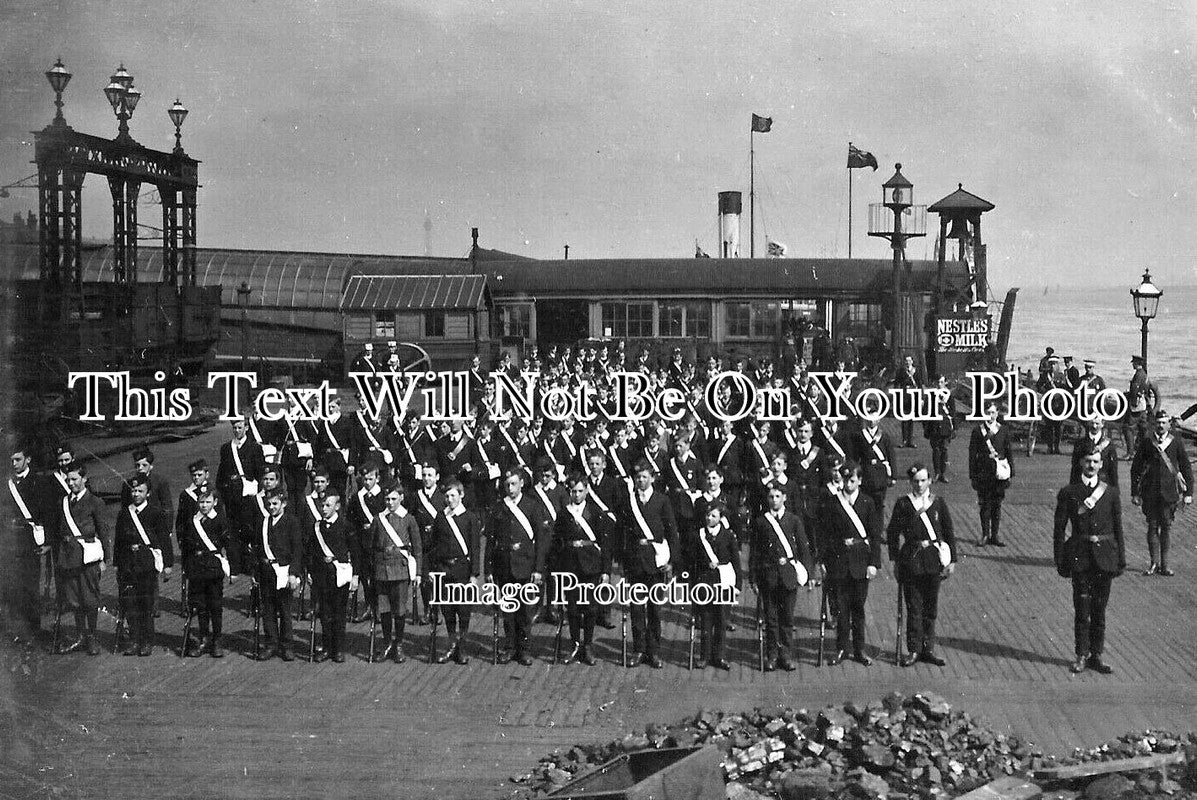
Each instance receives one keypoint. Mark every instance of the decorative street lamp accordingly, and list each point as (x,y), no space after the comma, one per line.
(1147,301)
(897,194)
(123,98)
(178,113)
(243,301)
(58,77)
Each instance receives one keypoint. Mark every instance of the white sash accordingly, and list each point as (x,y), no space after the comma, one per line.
(465,551)
(727,572)
(582,523)
(875,444)
(852,515)
(248,487)
(344,571)
(492,469)
(810,457)
(1001,465)
(39,533)
(514,508)
(548,504)
(660,549)
(760,451)
(723,450)
(92,551)
(514,449)
(652,461)
(682,480)
(598,501)
(1091,501)
(411,456)
(302,449)
(344,451)
(203,535)
(830,437)
(945,552)
(159,564)
(280,571)
(386,454)
(361,501)
(394,535)
(426,503)
(311,501)
(623,473)
(268,450)
(799,568)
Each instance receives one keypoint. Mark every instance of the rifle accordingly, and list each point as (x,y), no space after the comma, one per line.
(557,643)
(823,615)
(57,628)
(623,636)
(303,590)
(256,601)
(120,626)
(312,641)
(693,625)
(353,604)
(432,637)
(373,627)
(495,636)
(760,631)
(901,627)
(186,629)
(185,611)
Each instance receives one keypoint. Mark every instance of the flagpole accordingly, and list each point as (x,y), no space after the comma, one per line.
(751,193)
(849,205)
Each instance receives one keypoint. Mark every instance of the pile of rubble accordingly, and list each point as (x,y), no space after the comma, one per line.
(897,747)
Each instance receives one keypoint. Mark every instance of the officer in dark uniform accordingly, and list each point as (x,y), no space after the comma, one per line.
(518,534)
(940,432)
(1092,556)
(990,469)
(1161,478)
(781,562)
(1095,440)
(141,551)
(908,377)
(850,549)
(923,547)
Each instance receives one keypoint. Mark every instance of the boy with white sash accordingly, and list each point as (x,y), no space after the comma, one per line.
(332,573)
(202,542)
(850,550)
(713,556)
(1161,479)
(781,562)
(24,506)
(990,469)
(922,546)
(457,552)
(141,552)
(425,504)
(874,451)
(280,551)
(518,534)
(650,544)
(1092,555)
(398,566)
(581,540)
(84,551)
(237,479)
(364,506)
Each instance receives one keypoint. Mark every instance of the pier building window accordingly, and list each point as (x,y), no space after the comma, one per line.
(690,320)
(384,324)
(434,324)
(628,320)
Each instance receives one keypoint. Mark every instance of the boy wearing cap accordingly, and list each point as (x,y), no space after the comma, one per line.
(1161,478)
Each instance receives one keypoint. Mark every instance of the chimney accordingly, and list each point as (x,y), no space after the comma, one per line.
(729,224)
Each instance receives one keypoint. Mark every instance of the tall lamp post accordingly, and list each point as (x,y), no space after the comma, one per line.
(897,195)
(123,98)
(1146,298)
(243,301)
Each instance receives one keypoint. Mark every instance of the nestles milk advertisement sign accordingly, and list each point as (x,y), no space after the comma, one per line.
(962,334)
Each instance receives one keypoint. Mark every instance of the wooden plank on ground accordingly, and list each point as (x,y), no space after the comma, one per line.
(1106,767)
(1009,787)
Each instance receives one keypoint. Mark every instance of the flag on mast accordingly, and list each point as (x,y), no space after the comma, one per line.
(761,124)
(858,158)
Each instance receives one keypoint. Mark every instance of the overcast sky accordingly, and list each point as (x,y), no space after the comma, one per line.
(611,126)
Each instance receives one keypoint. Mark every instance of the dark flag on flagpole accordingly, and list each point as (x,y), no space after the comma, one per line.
(761,124)
(858,158)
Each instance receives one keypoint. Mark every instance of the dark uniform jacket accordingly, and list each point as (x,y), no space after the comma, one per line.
(336,537)
(910,544)
(286,542)
(837,444)
(446,554)
(228,479)
(679,489)
(200,563)
(332,439)
(767,551)
(390,560)
(426,508)
(88,514)
(1109,458)
(982,468)
(843,551)
(455,457)
(578,554)
(638,555)
(370,441)
(1161,476)
(130,554)
(696,561)
(1103,522)
(186,508)
(34,492)
(806,471)
(730,458)
(876,470)
(512,556)
(160,495)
